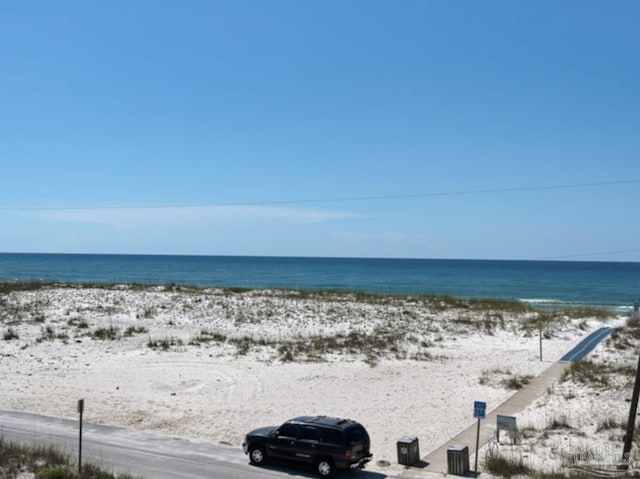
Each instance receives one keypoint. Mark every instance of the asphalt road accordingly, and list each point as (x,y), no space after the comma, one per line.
(145,455)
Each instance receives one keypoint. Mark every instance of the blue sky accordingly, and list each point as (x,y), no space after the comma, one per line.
(321,128)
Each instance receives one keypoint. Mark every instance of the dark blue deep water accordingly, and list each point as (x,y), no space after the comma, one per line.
(614,285)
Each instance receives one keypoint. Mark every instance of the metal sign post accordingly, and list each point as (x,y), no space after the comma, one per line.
(80,411)
(541,344)
(479,411)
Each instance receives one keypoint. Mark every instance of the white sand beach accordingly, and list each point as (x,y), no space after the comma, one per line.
(213,364)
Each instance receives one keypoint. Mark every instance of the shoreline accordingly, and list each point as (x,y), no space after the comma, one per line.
(526,304)
(606,284)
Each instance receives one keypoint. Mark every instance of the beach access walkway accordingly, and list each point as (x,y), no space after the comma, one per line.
(436,461)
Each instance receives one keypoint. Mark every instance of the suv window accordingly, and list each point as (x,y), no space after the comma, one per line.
(332,436)
(288,430)
(357,434)
(308,433)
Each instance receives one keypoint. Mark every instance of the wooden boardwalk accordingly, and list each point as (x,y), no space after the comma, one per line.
(436,461)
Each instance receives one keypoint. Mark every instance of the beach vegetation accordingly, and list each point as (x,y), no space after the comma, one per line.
(19,285)
(206,336)
(57,472)
(372,346)
(528,432)
(488,377)
(559,422)
(545,322)
(597,374)
(48,333)
(486,324)
(147,313)
(586,312)
(236,290)
(285,353)
(110,333)
(77,322)
(487,304)
(609,423)
(45,462)
(10,334)
(212,335)
(583,325)
(243,344)
(164,344)
(498,377)
(619,339)
(133,330)
(625,337)
(503,466)
(588,372)
(516,381)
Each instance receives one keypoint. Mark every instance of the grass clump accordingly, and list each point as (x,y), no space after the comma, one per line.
(133,330)
(79,323)
(57,472)
(148,313)
(506,467)
(488,323)
(624,337)
(373,346)
(546,322)
(164,344)
(48,333)
(14,457)
(206,337)
(488,374)
(12,286)
(504,378)
(45,462)
(111,333)
(10,334)
(597,375)
(611,423)
(517,381)
(586,312)
(559,423)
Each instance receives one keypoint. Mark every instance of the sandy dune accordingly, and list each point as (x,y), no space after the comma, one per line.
(214,364)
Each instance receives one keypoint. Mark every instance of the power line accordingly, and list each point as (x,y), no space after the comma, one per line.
(327,200)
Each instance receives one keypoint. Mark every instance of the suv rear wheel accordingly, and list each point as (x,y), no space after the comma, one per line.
(257,455)
(325,467)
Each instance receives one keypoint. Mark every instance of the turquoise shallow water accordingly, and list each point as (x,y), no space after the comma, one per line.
(609,284)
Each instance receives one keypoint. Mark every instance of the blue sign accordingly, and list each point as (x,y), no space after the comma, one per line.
(479,409)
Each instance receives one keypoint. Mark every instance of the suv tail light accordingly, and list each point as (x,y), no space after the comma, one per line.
(347,455)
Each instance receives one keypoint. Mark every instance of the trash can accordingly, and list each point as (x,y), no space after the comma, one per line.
(458,460)
(408,450)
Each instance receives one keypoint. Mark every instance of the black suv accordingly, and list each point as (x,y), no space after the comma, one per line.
(327,443)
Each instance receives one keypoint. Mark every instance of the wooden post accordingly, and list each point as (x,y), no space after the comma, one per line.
(475,467)
(633,410)
(80,411)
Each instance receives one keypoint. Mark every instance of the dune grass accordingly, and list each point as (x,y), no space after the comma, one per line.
(506,467)
(595,374)
(46,462)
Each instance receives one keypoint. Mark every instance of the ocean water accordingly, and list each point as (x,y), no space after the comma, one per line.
(609,284)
